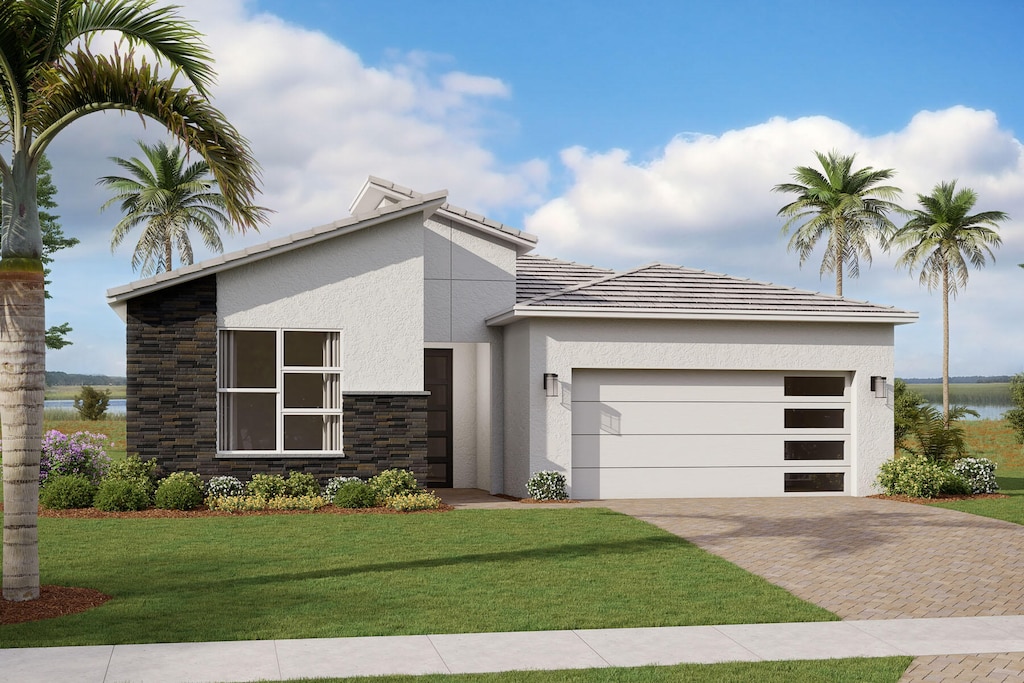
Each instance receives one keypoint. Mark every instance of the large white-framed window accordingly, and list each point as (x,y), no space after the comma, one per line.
(279,392)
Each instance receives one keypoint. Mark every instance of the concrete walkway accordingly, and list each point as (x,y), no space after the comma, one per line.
(482,652)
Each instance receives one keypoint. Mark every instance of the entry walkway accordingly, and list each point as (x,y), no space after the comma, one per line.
(276,660)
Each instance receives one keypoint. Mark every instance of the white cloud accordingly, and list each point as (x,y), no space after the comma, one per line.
(705,201)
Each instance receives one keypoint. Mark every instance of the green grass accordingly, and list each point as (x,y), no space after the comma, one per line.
(71,391)
(312,576)
(854,670)
(985,394)
(994,439)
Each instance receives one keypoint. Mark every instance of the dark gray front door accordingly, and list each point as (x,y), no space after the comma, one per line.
(437,379)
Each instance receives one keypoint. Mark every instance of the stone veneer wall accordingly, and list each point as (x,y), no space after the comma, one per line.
(172,400)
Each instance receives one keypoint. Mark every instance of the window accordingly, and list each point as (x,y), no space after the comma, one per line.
(814,418)
(279,391)
(814,450)
(813,482)
(814,386)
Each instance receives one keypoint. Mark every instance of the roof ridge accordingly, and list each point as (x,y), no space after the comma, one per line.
(581,285)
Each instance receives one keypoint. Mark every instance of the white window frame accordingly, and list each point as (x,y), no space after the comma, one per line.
(281,411)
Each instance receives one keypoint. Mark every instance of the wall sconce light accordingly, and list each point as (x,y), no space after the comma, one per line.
(878,386)
(551,384)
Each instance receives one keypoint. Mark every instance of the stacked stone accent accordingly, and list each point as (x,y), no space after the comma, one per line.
(172,400)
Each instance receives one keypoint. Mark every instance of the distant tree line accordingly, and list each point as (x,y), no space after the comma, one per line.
(965,379)
(65,379)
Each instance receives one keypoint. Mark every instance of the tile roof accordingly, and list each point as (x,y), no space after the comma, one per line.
(457,212)
(538,275)
(662,288)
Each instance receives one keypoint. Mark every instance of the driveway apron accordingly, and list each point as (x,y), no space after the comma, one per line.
(861,558)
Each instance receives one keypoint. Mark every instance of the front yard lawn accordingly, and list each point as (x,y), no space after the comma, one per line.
(322,575)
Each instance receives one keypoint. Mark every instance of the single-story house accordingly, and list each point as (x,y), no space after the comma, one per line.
(416,334)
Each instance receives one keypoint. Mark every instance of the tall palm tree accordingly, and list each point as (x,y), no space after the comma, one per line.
(941,238)
(168,199)
(50,78)
(846,205)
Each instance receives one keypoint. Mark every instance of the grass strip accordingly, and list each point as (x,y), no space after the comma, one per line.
(315,576)
(854,670)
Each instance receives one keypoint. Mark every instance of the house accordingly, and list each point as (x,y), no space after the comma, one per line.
(416,334)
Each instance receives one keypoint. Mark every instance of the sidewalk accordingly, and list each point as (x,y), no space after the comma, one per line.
(276,660)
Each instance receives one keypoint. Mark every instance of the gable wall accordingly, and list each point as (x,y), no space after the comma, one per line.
(368,284)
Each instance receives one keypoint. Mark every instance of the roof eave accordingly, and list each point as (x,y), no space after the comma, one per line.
(518,312)
(427,205)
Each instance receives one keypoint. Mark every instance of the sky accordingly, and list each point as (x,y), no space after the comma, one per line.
(618,133)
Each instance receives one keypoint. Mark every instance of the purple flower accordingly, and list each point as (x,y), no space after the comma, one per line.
(80,453)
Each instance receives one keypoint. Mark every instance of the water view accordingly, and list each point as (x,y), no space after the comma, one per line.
(116,405)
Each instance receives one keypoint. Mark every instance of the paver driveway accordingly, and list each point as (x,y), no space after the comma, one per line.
(862,558)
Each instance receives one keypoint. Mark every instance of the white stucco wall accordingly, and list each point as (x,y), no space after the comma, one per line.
(368,284)
(469,277)
(538,431)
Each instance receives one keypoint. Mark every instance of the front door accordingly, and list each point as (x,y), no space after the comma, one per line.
(437,379)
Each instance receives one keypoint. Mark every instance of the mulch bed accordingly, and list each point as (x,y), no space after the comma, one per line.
(941,498)
(532,500)
(54,601)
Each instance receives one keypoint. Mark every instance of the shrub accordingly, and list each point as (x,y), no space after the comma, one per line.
(936,441)
(355,494)
(906,407)
(547,485)
(255,503)
(91,404)
(334,483)
(409,502)
(80,453)
(265,486)
(392,482)
(64,491)
(180,491)
(913,475)
(121,495)
(301,484)
(978,473)
(134,468)
(1015,416)
(223,486)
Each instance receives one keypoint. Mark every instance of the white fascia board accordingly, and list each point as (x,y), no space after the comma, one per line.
(524,241)
(428,204)
(517,313)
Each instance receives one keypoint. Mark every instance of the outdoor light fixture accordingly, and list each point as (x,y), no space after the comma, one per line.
(878,386)
(550,384)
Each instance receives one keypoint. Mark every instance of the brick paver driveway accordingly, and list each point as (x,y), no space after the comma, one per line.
(862,558)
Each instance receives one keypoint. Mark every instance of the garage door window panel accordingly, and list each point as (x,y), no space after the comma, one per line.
(814,386)
(814,450)
(815,418)
(814,482)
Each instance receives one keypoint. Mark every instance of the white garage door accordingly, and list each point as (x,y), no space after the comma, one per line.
(686,433)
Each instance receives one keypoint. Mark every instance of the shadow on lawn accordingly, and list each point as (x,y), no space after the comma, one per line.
(560,553)
(1011,486)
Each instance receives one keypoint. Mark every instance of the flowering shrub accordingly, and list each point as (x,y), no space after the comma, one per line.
(80,453)
(547,485)
(979,473)
(334,483)
(223,486)
(253,503)
(919,477)
(392,482)
(409,502)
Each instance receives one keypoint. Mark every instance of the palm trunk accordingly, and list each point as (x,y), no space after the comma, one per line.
(840,232)
(22,383)
(167,254)
(945,346)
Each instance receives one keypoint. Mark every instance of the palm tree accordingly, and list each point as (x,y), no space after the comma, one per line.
(168,198)
(849,206)
(49,78)
(941,238)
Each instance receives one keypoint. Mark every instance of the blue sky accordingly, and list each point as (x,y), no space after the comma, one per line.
(619,133)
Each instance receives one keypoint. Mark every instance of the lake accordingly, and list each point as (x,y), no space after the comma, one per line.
(985,412)
(116,405)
